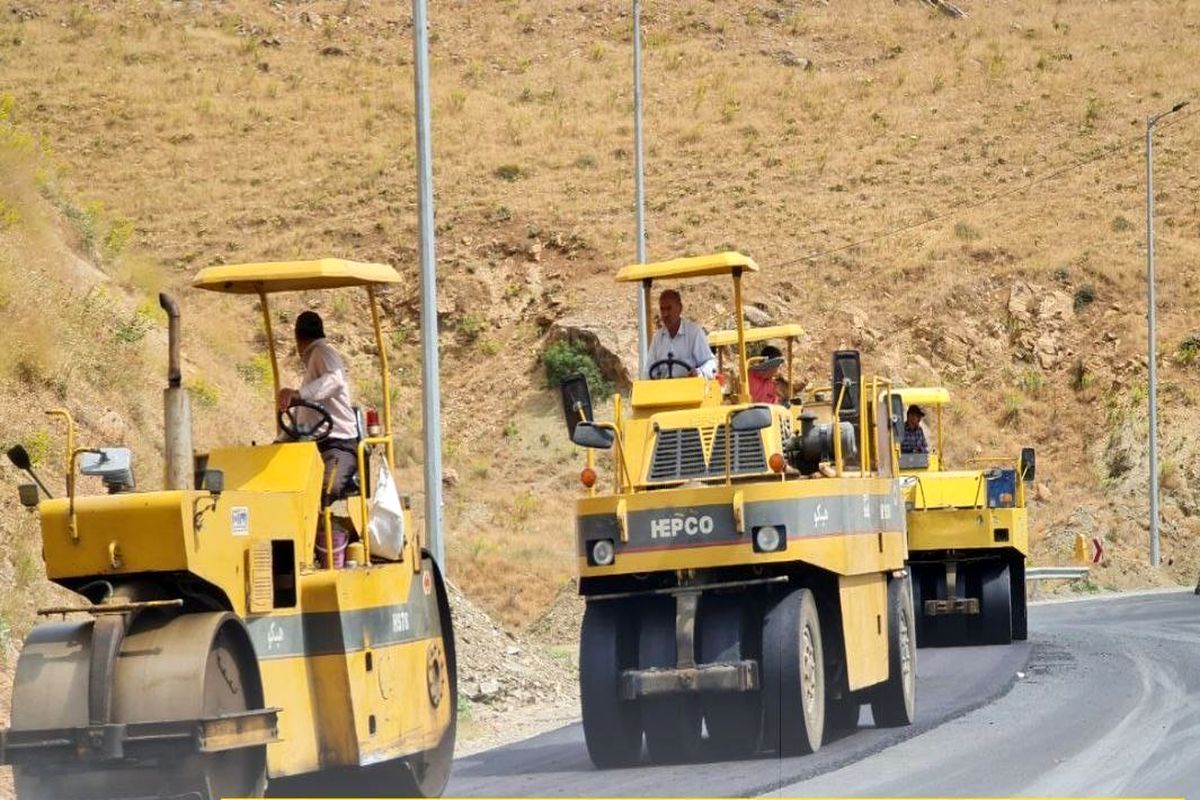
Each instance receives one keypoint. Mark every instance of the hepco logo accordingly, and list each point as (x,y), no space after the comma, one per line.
(672,527)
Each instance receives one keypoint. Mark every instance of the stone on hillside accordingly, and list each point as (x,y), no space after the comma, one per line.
(449,477)
(614,351)
(756,316)
(488,690)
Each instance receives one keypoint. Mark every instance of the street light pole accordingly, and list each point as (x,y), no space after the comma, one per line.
(431,391)
(1151,331)
(639,182)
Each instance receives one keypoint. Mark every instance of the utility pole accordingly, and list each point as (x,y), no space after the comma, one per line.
(639,179)
(430,383)
(1151,331)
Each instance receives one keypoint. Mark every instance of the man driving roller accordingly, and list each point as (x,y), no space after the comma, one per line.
(325,383)
(682,341)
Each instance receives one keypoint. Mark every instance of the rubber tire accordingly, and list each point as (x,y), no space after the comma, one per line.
(733,719)
(672,724)
(995,605)
(894,703)
(1020,603)
(793,697)
(841,717)
(612,727)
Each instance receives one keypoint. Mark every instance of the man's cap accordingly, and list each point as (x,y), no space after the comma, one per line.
(772,359)
(915,409)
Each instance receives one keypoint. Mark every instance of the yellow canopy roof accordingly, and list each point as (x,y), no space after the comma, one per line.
(694,267)
(726,338)
(924,395)
(293,276)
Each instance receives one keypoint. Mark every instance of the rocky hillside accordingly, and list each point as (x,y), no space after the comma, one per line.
(961,198)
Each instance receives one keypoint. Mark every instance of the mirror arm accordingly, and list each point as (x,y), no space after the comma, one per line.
(624,468)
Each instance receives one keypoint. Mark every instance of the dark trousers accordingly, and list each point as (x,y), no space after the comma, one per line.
(341,465)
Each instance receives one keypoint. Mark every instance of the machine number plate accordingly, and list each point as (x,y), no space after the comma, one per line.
(240,518)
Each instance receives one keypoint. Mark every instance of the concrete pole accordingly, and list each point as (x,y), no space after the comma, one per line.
(430,383)
(1152,350)
(639,180)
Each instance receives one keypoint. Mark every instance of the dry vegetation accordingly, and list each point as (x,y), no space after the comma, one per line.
(161,137)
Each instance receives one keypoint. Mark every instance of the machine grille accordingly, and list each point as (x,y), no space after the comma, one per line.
(679,453)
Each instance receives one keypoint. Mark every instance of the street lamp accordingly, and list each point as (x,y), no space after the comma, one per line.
(638,180)
(1150,326)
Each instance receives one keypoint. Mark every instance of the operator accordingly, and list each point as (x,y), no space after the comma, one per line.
(325,382)
(681,340)
(914,436)
(764,376)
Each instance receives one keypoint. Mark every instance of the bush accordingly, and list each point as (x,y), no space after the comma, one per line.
(1084,296)
(565,358)
(1188,350)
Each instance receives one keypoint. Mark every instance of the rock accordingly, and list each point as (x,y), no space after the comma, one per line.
(1042,493)
(756,316)
(512,651)
(1047,351)
(613,349)
(488,690)
(790,59)
(449,477)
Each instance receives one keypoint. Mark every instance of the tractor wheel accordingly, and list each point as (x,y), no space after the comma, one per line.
(612,727)
(189,666)
(793,675)
(426,774)
(893,704)
(994,624)
(727,633)
(1020,606)
(672,724)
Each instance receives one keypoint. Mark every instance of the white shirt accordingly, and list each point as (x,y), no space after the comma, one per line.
(689,345)
(325,383)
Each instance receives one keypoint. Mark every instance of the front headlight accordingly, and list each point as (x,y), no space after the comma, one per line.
(769,539)
(601,553)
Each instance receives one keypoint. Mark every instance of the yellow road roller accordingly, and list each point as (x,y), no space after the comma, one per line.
(743,564)
(210,651)
(968,537)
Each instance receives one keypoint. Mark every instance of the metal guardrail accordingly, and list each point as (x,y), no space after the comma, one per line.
(1055,573)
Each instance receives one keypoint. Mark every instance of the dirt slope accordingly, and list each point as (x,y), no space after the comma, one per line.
(961,199)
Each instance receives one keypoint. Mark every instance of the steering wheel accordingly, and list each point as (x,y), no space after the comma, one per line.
(293,427)
(669,363)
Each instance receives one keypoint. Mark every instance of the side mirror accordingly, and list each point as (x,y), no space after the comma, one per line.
(1028,464)
(588,434)
(19,458)
(847,372)
(214,481)
(897,420)
(754,418)
(576,401)
(28,492)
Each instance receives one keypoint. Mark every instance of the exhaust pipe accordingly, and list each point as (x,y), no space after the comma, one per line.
(177,411)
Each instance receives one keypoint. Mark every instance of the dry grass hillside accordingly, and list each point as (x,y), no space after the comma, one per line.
(853,148)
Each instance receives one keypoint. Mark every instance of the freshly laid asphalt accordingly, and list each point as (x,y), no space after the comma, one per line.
(1103,699)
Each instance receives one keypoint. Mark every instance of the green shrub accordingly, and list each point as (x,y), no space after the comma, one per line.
(509,172)
(563,358)
(1084,296)
(1188,349)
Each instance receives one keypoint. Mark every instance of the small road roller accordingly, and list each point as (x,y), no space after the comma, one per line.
(968,537)
(210,652)
(743,564)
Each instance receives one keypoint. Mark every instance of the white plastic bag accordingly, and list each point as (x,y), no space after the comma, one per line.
(386,528)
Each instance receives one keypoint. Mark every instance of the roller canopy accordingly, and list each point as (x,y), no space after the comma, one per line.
(293,276)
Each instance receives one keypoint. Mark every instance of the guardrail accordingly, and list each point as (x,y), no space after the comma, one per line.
(1055,573)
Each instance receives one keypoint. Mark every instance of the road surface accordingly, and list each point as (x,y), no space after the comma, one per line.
(1103,699)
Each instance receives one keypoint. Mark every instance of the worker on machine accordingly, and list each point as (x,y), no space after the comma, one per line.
(764,376)
(679,347)
(913,440)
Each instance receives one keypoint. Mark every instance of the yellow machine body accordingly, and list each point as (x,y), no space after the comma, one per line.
(699,505)
(962,522)
(349,668)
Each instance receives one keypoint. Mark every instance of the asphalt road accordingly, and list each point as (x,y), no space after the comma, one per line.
(1104,699)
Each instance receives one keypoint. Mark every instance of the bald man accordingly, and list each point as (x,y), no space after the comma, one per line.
(680,339)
